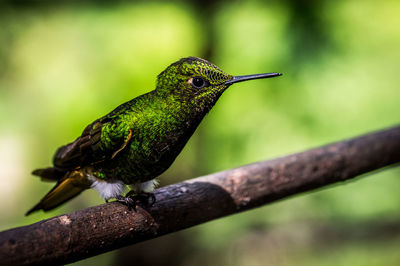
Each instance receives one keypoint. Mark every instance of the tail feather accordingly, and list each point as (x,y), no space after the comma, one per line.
(49,174)
(71,185)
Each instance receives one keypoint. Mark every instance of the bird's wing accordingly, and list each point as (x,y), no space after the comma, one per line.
(88,149)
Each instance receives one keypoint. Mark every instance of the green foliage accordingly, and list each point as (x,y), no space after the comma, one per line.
(61,68)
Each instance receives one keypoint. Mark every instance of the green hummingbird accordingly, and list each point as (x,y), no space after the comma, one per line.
(140,139)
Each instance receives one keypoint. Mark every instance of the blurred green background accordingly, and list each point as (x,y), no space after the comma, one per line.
(62,66)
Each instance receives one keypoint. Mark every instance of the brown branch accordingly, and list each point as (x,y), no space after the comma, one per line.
(88,232)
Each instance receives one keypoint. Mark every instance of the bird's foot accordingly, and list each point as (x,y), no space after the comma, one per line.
(143,197)
(128,201)
(131,199)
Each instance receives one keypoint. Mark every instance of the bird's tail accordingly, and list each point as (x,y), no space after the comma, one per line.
(69,184)
(50,174)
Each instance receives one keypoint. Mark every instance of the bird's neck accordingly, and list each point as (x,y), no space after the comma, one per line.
(187,109)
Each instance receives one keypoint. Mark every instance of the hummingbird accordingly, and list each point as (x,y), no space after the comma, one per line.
(140,139)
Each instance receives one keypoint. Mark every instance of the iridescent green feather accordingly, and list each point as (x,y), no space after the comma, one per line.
(141,138)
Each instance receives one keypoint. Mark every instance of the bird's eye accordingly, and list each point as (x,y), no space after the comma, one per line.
(198,82)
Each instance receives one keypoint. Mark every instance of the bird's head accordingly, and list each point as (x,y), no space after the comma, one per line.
(196,79)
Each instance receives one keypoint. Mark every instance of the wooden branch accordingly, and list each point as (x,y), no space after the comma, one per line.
(88,232)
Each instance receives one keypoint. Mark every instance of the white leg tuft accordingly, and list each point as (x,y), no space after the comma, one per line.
(108,190)
(146,187)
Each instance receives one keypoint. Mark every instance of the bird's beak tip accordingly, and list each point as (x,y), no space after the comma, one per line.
(236,79)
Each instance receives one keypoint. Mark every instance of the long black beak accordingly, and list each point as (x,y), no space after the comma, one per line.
(236,79)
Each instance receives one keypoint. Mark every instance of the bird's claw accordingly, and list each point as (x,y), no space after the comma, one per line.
(128,201)
(132,199)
